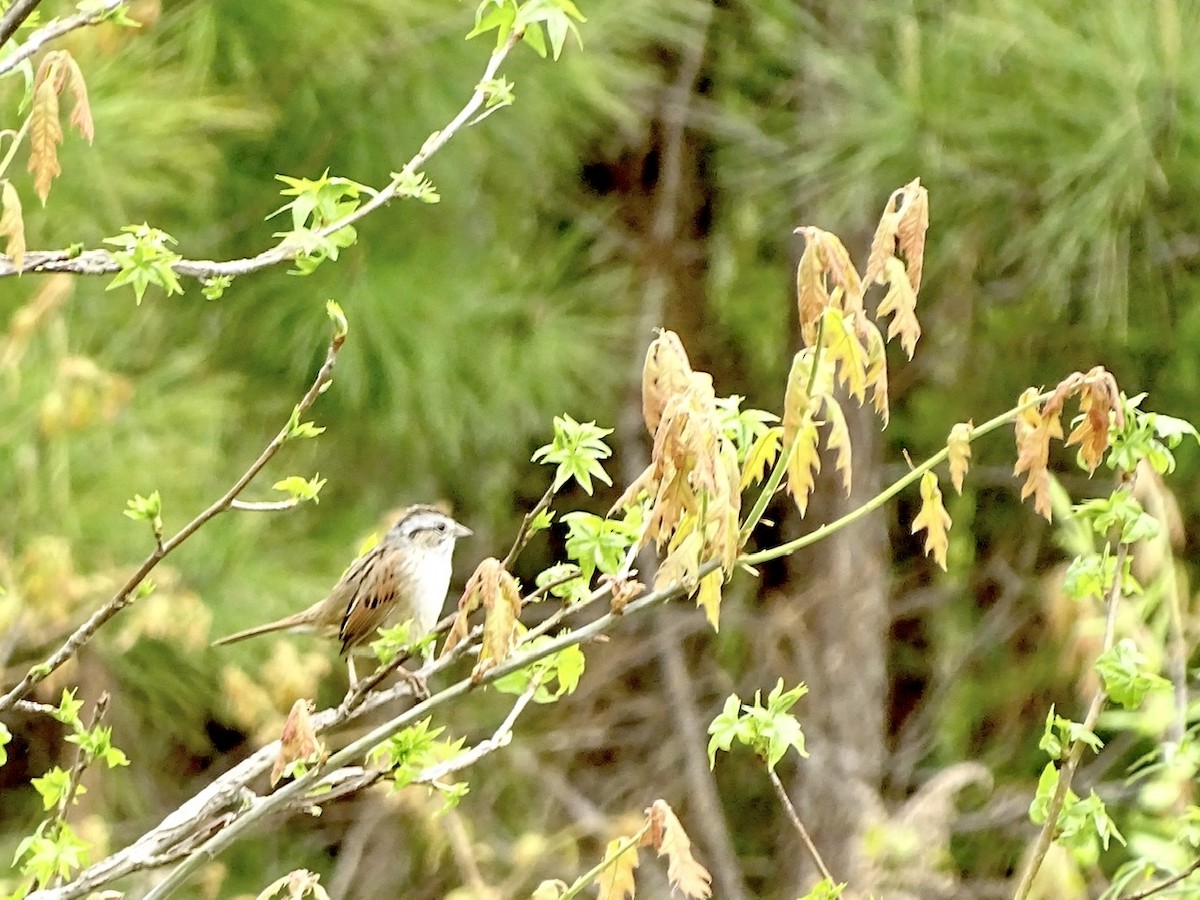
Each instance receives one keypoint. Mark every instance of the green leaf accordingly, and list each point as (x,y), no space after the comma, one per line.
(144,509)
(769,730)
(214,287)
(68,710)
(53,787)
(301,489)
(340,326)
(577,449)
(5,738)
(145,260)
(1121,668)
(556,675)
(597,544)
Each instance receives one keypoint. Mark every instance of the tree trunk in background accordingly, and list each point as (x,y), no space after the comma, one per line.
(840,586)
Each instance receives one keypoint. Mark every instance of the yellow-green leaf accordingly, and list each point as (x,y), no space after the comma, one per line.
(934,519)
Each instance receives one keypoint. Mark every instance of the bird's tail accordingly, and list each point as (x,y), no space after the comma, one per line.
(296,623)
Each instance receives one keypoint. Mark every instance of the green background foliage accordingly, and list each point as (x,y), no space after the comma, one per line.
(1058,144)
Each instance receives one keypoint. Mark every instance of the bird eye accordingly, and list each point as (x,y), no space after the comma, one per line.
(441,526)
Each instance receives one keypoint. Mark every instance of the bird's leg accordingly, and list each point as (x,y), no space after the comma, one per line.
(353,674)
(416,683)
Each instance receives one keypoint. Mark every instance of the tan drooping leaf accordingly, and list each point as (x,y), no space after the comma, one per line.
(81,111)
(723,512)
(616,880)
(643,484)
(900,303)
(665,374)
(812,298)
(910,233)
(837,439)
(298,740)
(959,445)
(845,350)
(1099,400)
(761,457)
(800,432)
(877,373)
(933,519)
(667,837)
(902,227)
(501,600)
(12,224)
(45,132)
(1034,428)
(484,580)
(683,558)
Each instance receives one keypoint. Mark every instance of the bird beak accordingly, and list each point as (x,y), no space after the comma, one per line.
(462,531)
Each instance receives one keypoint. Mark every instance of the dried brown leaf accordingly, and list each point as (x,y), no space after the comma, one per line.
(1034,428)
(501,599)
(298,740)
(911,228)
(959,445)
(934,519)
(81,112)
(667,837)
(45,133)
(1099,401)
(666,373)
(482,581)
(12,224)
(811,296)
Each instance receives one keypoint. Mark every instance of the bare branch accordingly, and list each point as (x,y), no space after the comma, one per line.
(15,17)
(49,32)
(102,262)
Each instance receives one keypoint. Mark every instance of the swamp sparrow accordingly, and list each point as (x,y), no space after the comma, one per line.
(404,576)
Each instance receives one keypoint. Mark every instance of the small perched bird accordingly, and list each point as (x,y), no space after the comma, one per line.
(404,576)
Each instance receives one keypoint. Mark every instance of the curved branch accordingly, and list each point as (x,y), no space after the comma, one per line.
(126,594)
(102,262)
(17,14)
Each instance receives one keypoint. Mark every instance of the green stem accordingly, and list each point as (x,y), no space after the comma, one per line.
(593,873)
(17,137)
(753,559)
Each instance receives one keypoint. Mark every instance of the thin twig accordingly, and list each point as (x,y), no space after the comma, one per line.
(798,825)
(126,594)
(49,32)
(264,505)
(102,262)
(1163,885)
(523,533)
(77,769)
(1075,754)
